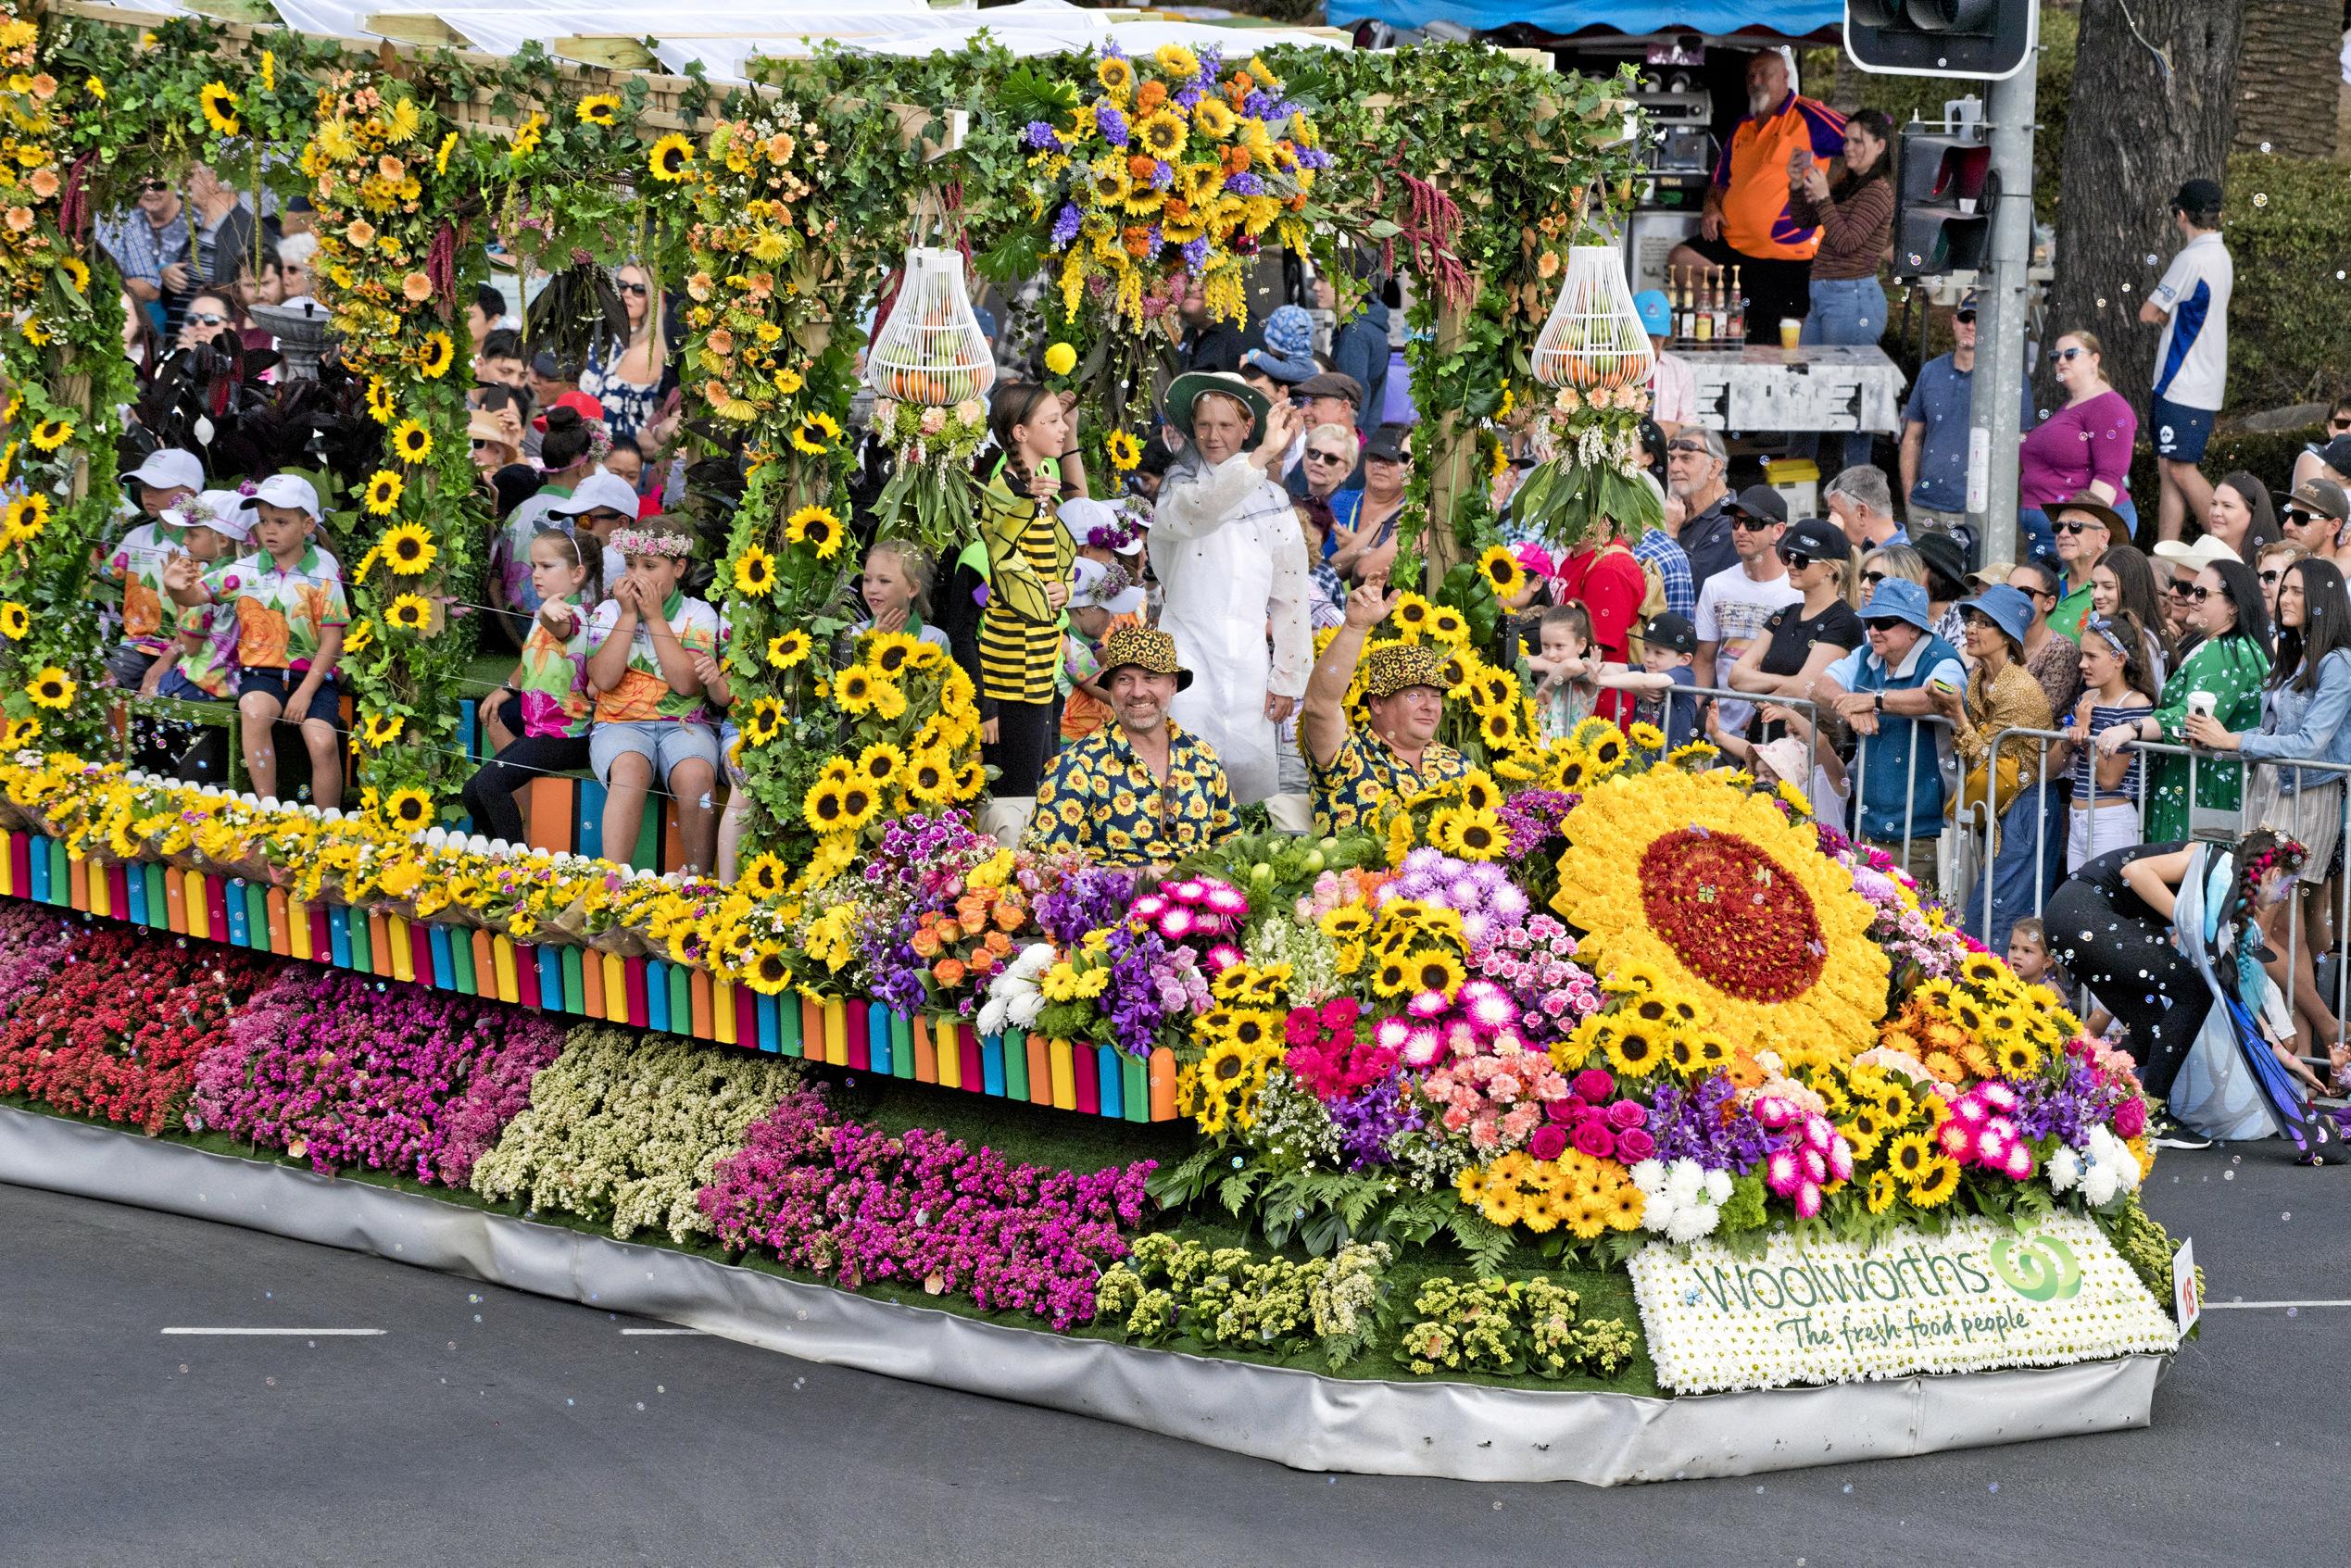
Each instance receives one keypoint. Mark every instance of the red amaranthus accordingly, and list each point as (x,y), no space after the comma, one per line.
(115,1030)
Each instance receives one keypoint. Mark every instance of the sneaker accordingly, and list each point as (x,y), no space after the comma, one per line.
(2167,1134)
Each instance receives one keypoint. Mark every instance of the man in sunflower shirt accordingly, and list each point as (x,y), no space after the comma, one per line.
(1393,755)
(1139,791)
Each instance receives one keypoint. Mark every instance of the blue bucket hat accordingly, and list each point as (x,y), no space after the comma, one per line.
(1290,333)
(1656,312)
(2006,608)
(1898,598)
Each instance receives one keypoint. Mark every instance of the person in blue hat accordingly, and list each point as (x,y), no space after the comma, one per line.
(1882,690)
(2001,694)
(1673,389)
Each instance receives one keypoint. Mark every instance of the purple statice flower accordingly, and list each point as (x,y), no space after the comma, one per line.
(1532,816)
(1370,1120)
(1188,95)
(2065,1108)
(1312,157)
(1065,224)
(1691,1124)
(1111,123)
(1041,135)
(1260,103)
(1086,900)
(1196,255)
(1163,175)
(1244,184)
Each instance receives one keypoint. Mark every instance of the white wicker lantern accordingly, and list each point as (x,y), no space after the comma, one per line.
(1594,337)
(931,351)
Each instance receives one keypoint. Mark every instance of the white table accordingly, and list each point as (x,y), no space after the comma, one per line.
(1754,388)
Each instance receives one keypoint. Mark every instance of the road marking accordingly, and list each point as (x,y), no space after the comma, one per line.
(284,1333)
(664,1333)
(2253,1306)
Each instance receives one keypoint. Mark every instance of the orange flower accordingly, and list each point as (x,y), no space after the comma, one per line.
(1153,96)
(44,87)
(779,148)
(44,182)
(721,341)
(20,219)
(1009,916)
(1137,240)
(760,285)
(984,963)
(1000,943)
(950,971)
(361,233)
(1745,1071)
(1238,158)
(924,941)
(417,288)
(949,931)
(1139,168)
(715,392)
(392,169)
(699,285)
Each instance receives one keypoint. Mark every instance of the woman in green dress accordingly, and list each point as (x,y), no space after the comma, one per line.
(2231,663)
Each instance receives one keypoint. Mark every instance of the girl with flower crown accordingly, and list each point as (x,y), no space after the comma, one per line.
(651,709)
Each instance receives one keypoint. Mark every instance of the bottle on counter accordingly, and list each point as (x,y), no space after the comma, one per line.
(1704,323)
(1718,301)
(1737,310)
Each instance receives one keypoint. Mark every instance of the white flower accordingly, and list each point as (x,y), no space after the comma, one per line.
(1694,1221)
(1650,1176)
(1718,1186)
(2065,1171)
(1685,1180)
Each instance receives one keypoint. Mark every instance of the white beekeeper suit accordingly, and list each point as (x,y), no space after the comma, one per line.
(1231,558)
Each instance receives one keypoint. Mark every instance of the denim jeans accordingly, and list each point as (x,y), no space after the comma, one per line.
(2029,829)
(1849,311)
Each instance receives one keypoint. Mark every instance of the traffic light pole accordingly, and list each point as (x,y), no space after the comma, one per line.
(2001,322)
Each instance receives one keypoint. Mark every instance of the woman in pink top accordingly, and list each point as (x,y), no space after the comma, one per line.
(2085,445)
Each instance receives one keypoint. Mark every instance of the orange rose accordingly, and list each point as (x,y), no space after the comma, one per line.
(972,911)
(1009,916)
(1000,943)
(925,943)
(983,963)
(948,972)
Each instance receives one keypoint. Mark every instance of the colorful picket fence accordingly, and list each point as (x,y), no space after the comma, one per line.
(863,1035)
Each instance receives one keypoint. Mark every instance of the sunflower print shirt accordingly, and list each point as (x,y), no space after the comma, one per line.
(1364,774)
(1100,797)
(282,612)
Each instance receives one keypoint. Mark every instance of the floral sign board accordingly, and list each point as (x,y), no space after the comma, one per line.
(1980,1295)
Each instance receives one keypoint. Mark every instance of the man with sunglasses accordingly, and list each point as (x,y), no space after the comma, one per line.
(153,247)
(2085,527)
(2330,459)
(1696,466)
(2192,361)
(1882,690)
(2313,518)
(1734,605)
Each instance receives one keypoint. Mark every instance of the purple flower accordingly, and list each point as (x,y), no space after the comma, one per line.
(1112,124)
(1065,224)
(1244,184)
(1196,254)
(1041,135)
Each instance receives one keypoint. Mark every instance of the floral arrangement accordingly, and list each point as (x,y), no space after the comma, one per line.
(921,1210)
(1174,1289)
(625,1131)
(1505,1326)
(334,1069)
(108,1026)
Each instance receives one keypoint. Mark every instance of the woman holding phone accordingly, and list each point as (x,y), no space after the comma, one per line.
(2221,679)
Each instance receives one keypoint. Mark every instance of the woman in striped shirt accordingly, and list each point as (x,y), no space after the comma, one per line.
(2118,687)
(1030,554)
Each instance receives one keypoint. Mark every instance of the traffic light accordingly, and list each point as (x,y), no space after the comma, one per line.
(1986,39)
(1946,190)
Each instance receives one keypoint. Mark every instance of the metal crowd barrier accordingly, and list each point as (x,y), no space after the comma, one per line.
(1929,723)
(1805,704)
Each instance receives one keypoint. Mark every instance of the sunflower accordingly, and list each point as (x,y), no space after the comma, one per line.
(15,621)
(435,355)
(1115,72)
(755,572)
(1734,905)
(766,876)
(1162,135)
(769,973)
(1447,626)
(409,612)
(1636,1048)
(853,693)
(787,650)
(358,635)
(220,107)
(822,806)
(25,517)
(1477,835)
(380,407)
(50,435)
(1435,970)
(859,802)
(1982,969)
(598,108)
(411,443)
(51,687)
(380,729)
(1212,119)
(880,763)
(408,808)
(1935,1184)
(1910,1155)
(815,435)
(383,495)
(2018,1059)
(77,272)
(20,733)
(817,527)
(407,547)
(763,722)
(1125,452)
(1881,1191)
(671,158)
(1501,571)
(927,778)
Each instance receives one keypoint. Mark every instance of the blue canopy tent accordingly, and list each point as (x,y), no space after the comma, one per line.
(1785,19)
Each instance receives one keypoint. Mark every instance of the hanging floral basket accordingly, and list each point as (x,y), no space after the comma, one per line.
(1594,338)
(931,351)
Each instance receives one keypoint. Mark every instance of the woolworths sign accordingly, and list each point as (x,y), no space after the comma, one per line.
(1978,1295)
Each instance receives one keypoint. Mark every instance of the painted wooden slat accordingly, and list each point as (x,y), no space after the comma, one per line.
(901,1047)
(574,980)
(680,1002)
(747,1016)
(257,916)
(1040,1069)
(118,887)
(616,988)
(339,937)
(854,1052)
(1086,1078)
(769,1033)
(926,1052)
(440,961)
(199,897)
(878,1042)
(233,907)
(77,883)
(945,1033)
(518,972)
(811,1026)
(1110,1086)
(656,995)
(1162,1084)
(639,1000)
(101,896)
(59,878)
(15,876)
(787,1023)
(175,902)
(1065,1079)
(462,977)
(486,965)
(216,908)
(704,1028)
(722,1014)
(551,814)
(548,959)
(1135,1087)
(992,1065)
(1015,1064)
(380,958)
(134,885)
(835,1032)
(967,1045)
(400,936)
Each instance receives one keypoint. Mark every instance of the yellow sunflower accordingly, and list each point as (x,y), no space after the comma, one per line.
(1124,450)
(787,650)
(671,158)
(220,107)
(15,621)
(1732,903)
(380,729)
(357,636)
(817,527)
(815,435)
(1162,135)
(598,108)
(411,443)
(1935,1182)
(409,612)
(50,435)
(383,495)
(435,355)
(1501,571)
(1881,1191)
(1115,72)
(381,407)
(407,549)
(755,572)
(24,519)
(765,877)
(51,687)
(769,973)
(408,809)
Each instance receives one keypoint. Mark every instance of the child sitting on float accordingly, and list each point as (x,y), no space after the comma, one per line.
(652,712)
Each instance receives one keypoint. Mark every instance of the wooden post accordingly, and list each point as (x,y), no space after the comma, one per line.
(1451,455)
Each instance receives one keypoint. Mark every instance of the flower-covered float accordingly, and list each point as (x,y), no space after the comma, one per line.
(1613,1074)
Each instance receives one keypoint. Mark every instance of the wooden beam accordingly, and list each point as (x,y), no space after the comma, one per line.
(253,13)
(607,51)
(422,28)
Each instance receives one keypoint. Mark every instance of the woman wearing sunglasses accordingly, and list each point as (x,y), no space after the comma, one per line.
(1800,641)
(635,381)
(2084,446)
(2228,666)
(1330,459)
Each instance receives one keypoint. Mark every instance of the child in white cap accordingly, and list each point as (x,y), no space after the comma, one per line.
(163,482)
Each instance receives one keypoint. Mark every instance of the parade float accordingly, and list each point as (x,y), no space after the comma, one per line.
(1597,1116)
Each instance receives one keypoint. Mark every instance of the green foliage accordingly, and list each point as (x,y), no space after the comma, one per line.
(2289,228)
(2147,1246)
(1228,1296)
(1509,1327)
(1320,1211)
(1275,869)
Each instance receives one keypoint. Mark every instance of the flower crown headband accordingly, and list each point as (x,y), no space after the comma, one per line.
(639,541)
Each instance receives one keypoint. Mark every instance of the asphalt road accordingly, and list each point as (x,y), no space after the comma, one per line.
(485,1426)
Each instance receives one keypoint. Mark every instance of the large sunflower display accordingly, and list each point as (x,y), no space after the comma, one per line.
(1731,900)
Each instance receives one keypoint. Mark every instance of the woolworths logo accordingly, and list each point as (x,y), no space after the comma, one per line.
(2039,1268)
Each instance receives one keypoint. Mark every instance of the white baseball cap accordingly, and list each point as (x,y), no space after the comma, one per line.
(1103,587)
(220,510)
(1085,516)
(169,468)
(285,490)
(598,490)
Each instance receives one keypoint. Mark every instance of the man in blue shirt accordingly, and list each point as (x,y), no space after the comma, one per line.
(1934,430)
(1882,691)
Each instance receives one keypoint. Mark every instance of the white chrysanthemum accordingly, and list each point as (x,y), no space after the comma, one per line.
(1692,1222)
(1650,1176)
(1718,1186)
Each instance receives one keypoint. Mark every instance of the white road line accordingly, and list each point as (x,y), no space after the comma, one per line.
(2254,1306)
(285,1333)
(664,1333)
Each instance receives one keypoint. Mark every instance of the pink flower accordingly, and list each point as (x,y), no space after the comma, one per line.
(1626,1113)
(1392,1033)
(1957,1139)
(1634,1145)
(1428,1004)
(1781,1173)
(2018,1165)
(2130,1118)
(1547,1143)
(1808,1201)
(1563,1109)
(1455,1119)
(1593,1137)
(1593,1084)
